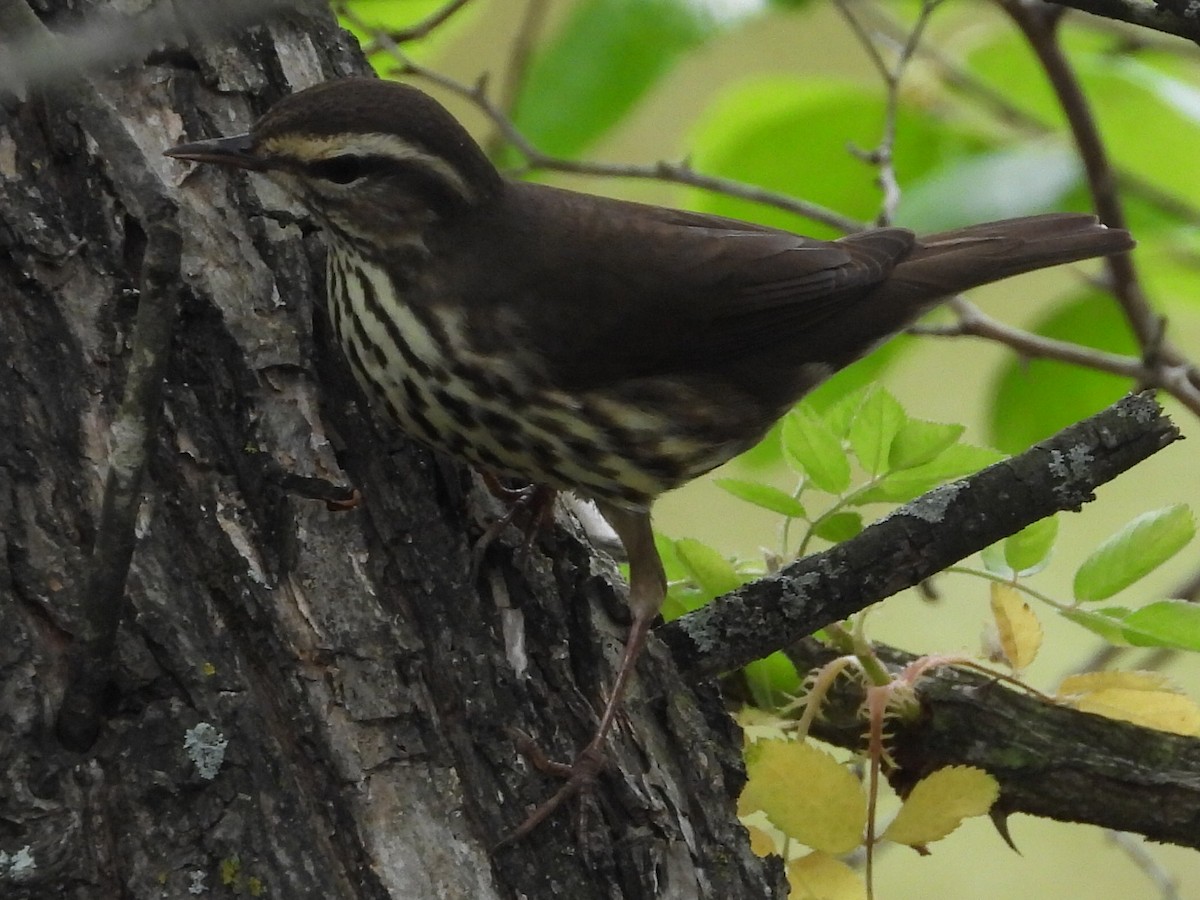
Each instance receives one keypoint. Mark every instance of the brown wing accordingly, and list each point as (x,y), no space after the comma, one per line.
(620,290)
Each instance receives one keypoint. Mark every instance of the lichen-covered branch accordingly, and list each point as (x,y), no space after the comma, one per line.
(919,539)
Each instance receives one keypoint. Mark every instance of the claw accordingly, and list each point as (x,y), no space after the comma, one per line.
(536,500)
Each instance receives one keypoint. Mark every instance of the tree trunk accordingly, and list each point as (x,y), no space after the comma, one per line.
(301,701)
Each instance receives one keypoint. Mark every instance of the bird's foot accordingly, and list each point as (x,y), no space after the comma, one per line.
(533,504)
(578,776)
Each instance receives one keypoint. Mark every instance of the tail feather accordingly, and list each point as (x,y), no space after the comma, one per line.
(954,261)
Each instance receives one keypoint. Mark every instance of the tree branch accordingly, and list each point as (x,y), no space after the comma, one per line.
(1155,16)
(919,539)
(1050,760)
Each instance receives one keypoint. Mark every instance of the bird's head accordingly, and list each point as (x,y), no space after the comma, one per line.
(372,159)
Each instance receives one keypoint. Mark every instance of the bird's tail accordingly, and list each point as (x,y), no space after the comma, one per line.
(944,264)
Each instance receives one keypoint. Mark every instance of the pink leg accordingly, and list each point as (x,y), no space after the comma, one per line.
(647,590)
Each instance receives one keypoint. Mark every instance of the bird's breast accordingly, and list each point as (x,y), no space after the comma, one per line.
(421,363)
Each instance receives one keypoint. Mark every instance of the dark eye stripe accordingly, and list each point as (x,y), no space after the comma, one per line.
(346,168)
(415,177)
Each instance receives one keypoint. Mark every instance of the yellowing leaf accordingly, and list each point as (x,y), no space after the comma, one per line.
(819,876)
(806,794)
(1160,710)
(761,843)
(1095,681)
(1018,627)
(939,803)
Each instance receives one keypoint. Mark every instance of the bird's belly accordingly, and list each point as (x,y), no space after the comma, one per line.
(416,364)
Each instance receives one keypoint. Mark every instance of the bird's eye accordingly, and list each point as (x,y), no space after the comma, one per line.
(339,169)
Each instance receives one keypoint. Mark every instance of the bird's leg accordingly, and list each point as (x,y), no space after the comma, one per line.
(536,500)
(647,590)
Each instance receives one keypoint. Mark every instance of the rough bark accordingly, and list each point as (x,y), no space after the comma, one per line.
(301,702)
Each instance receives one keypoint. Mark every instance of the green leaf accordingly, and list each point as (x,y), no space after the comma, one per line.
(1028,549)
(840,411)
(994,561)
(794,136)
(1144,102)
(856,378)
(764,495)
(605,57)
(773,681)
(1165,623)
(1035,398)
(707,567)
(873,429)
(673,566)
(919,442)
(683,597)
(1013,181)
(1104,622)
(839,527)
(815,451)
(908,484)
(1134,551)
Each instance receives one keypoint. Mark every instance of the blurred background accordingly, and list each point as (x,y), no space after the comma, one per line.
(779,95)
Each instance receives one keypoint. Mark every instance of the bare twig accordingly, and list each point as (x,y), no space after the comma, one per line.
(882,155)
(972,321)
(1008,112)
(1189,588)
(519,57)
(1039,24)
(522,52)
(1135,850)
(673,172)
(422,28)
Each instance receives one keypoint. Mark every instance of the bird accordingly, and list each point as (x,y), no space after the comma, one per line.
(576,342)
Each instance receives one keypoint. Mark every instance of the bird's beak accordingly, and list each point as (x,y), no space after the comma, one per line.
(236,151)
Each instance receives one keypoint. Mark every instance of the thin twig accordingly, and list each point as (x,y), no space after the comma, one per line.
(519,58)
(883,155)
(1039,24)
(974,322)
(673,172)
(520,54)
(422,28)
(1000,105)
(1135,850)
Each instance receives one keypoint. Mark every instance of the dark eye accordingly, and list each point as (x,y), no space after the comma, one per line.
(339,169)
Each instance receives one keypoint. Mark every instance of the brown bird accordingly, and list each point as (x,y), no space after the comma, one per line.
(581,343)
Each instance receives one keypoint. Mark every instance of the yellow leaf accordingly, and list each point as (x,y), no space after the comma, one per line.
(1019,630)
(819,876)
(806,794)
(1161,710)
(939,803)
(1130,681)
(760,842)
